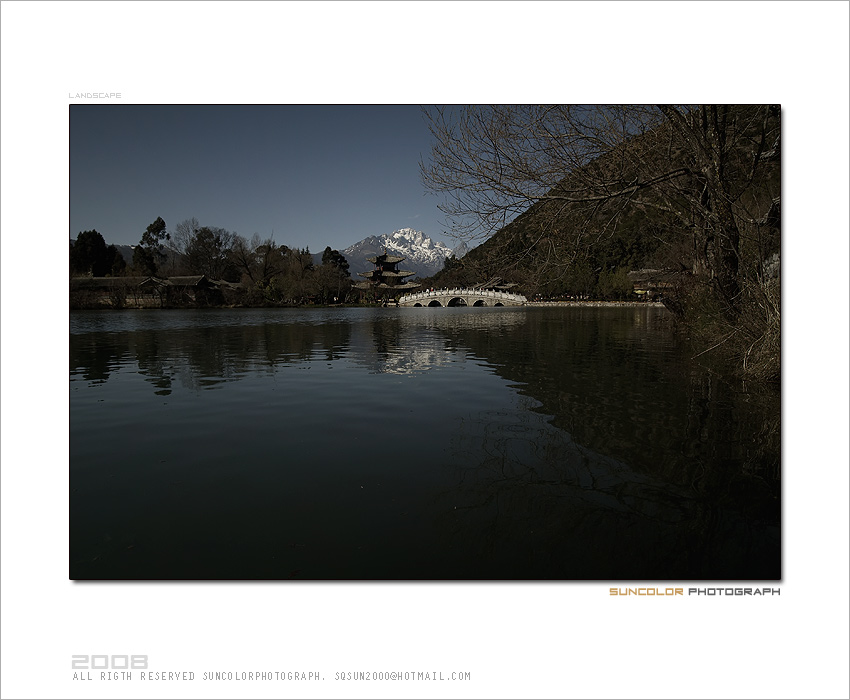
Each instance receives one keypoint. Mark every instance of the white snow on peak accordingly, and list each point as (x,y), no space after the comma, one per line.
(416,246)
(421,254)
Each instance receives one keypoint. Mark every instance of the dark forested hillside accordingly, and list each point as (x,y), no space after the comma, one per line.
(570,236)
(691,193)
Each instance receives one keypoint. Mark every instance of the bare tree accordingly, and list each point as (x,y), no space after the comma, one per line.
(208,252)
(258,259)
(185,231)
(574,171)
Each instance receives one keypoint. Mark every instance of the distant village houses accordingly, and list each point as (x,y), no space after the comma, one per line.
(150,292)
(651,285)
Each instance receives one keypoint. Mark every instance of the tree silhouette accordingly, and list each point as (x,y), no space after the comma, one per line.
(90,255)
(150,253)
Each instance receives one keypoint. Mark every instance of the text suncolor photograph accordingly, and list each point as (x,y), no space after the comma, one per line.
(425,343)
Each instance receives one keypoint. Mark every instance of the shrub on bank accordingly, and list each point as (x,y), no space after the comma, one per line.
(750,342)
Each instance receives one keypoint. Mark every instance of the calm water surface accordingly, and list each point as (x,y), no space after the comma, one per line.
(448,443)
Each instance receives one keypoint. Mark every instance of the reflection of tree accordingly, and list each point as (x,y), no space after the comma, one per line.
(203,357)
(94,360)
(565,511)
(616,381)
(153,360)
(284,343)
(703,458)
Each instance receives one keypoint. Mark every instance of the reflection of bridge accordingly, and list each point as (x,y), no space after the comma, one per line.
(462,297)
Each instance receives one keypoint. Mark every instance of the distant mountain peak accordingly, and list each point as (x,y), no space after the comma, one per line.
(422,255)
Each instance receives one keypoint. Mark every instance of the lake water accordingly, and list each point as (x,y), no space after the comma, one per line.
(413,444)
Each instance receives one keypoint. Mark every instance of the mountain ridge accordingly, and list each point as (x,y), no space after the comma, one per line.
(422,255)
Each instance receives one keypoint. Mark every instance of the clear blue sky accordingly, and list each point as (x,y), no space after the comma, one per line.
(310,175)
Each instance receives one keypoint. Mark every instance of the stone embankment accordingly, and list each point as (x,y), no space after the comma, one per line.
(656,304)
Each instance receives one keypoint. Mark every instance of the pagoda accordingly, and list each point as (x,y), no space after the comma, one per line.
(386,278)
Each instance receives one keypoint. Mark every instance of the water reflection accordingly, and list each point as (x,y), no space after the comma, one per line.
(205,356)
(493,443)
(527,492)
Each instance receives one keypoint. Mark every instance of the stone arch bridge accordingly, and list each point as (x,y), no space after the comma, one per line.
(462,297)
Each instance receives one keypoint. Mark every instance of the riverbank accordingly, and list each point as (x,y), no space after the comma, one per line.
(129,306)
(596,304)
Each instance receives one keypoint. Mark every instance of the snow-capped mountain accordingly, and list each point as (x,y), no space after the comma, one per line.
(421,255)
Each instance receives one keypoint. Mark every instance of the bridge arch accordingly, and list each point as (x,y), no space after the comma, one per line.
(462,297)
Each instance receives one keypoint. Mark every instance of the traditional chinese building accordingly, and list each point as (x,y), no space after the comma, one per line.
(386,279)
(147,292)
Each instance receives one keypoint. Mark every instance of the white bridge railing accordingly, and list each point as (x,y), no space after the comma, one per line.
(470,296)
